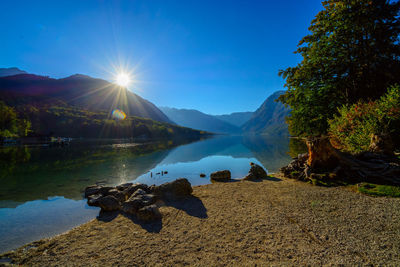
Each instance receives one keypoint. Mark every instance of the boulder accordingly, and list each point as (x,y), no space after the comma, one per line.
(139,192)
(122,187)
(117,194)
(92,190)
(109,203)
(149,213)
(256,173)
(178,188)
(221,176)
(134,203)
(128,191)
(93,200)
(97,189)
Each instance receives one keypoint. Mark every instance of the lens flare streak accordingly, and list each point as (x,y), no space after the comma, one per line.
(118,114)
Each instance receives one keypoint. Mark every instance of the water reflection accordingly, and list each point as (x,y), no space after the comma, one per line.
(41,187)
(32,173)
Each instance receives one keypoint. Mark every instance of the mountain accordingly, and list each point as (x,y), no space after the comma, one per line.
(269,118)
(197,120)
(10,71)
(79,91)
(236,118)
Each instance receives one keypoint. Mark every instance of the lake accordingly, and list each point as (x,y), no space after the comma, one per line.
(41,191)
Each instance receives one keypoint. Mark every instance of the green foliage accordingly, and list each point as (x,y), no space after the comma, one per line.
(10,125)
(296,147)
(352,53)
(351,129)
(70,121)
(379,190)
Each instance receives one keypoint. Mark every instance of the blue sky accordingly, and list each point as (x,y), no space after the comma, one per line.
(215,56)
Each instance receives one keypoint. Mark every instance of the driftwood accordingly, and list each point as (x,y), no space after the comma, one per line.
(323,159)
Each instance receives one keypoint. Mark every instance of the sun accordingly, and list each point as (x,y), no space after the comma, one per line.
(123,79)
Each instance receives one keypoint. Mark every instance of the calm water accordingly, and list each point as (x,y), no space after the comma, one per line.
(41,187)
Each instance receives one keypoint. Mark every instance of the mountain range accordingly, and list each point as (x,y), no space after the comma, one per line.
(10,71)
(80,94)
(80,106)
(197,120)
(268,119)
(79,91)
(236,118)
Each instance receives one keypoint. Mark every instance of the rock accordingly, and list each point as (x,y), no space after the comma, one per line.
(92,190)
(93,200)
(109,203)
(149,213)
(134,203)
(122,187)
(178,188)
(202,175)
(97,189)
(139,192)
(132,189)
(221,176)
(256,173)
(117,194)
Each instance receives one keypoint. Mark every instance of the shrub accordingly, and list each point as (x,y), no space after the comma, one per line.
(352,128)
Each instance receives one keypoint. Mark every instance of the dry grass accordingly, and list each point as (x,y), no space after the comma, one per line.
(273,222)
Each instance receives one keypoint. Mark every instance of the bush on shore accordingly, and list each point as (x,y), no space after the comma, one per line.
(352,128)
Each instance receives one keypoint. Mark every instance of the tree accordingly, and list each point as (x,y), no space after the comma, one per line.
(10,125)
(352,53)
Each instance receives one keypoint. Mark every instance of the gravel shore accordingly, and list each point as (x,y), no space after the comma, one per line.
(276,221)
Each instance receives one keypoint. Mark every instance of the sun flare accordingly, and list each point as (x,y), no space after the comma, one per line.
(123,79)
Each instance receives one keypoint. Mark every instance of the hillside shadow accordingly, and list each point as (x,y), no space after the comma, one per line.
(191,205)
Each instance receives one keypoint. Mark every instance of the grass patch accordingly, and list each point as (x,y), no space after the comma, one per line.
(379,190)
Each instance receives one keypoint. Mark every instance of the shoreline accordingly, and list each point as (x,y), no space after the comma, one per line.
(275,221)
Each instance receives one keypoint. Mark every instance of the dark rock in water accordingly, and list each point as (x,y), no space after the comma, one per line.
(256,173)
(178,188)
(97,189)
(202,175)
(136,199)
(149,213)
(132,189)
(117,194)
(93,200)
(122,187)
(109,203)
(92,190)
(221,176)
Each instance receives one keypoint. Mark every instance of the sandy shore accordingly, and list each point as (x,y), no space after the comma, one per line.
(274,222)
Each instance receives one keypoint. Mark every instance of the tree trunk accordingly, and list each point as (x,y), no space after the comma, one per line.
(321,154)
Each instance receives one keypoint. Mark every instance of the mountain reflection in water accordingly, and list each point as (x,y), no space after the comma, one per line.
(41,191)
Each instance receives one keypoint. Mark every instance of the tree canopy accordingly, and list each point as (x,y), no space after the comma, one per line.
(10,124)
(352,53)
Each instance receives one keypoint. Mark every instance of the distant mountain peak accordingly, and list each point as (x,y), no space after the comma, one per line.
(236,118)
(269,118)
(11,71)
(78,76)
(195,119)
